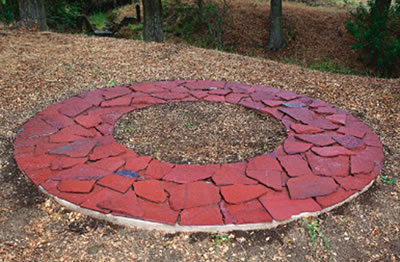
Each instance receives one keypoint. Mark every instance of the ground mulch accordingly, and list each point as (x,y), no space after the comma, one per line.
(40,69)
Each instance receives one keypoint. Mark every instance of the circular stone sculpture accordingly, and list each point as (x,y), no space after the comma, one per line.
(68,150)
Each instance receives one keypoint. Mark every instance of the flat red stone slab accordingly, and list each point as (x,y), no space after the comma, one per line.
(328,158)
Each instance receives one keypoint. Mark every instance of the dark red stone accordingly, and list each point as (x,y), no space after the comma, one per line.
(151,190)
(274,112)
(108,150)
(72,133)
(357,182)
(76,198)
(220,92)
(74,106)
(250,103)
(310,186)
(330,151)
(351,131)
(136,164)
(263,162)
(158,169)
(334,198)
(240,87)
(281,207)
(88,121)
(349,142)
(113,92)
(36,127)
(328,110)
(323,124)
(295,165)
(120,101)
(305,129)
(147,87)
(76,186)
(232,174)
(270,178)
(103,195)
(105,129)
(147,100)
(273,103)
(239,193)
(66,162)
(317,139)
(190,173)
(93,97)
(259,95)
(287,95)
(294,146)
(31,162)
(364,162)
(78,148)
(111,164)
(193,194)
(300,114)
(214,98)
(205,215)
(234,98)
(39,176)
(170,95)
(203,84)
(337,118)
(248,213)
(161,213)
(117,182)
(372,140)
(81,172)
(199,94)
(329,166)
(123,204)
(55,119)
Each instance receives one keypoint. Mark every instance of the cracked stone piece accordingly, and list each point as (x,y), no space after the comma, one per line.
(337,119)
(323,124)
(272,103)
(214,98)
(151,190)
(353,132)
(310,186)
(287,95)
(316,139)
(108,150)
(250,103)
(109,93)
(147,100)
(76,186)
(38,176)
(328,110)
(123,204)
(281,207)
(111,164)
(81,172)
(136,164)
(305,129)
(158,169)
(372,140)
(234,98)
(94,97)
(74,106)
(329,151)
(303,115)
(55,119)
(329,166)
(193,194)
(72,133)
(220,92)
(190,173)
(270,178)
(240,87)
(199,94)
(120,101)
(203,84)
(357,182)
(32,162)
(230,175)
(248,213)
(66,162)
(100,196)
(349,142)
(36,127)
(78,148)
(274,112)
(263,162)
(147,87)
(260,95)
(334,198)
(294,146)
(239,193)
(295,165)
(170,95)
(205,215)
(88,121)
(161,213)
(116,182)
(364,162)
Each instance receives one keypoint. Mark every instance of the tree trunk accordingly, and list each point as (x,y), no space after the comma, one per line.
(276,40)
(382,7)
(152,21)
(33,14)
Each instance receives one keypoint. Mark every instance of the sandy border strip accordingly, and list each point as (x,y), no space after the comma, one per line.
(142,224)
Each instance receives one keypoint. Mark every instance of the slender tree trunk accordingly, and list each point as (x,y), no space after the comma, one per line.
(276,40)
(152,21)
(33,13)
(382,6)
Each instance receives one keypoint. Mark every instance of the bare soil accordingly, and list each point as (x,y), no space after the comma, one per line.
(40,69)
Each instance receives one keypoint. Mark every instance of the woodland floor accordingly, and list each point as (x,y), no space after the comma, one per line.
(40,69)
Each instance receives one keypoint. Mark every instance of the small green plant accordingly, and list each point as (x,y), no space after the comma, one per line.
(221,238)
(313,231)
(111,83)
(331,66)
(388,180)
(189,119)
(98,20)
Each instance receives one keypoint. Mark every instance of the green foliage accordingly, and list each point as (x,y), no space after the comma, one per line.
(314,231)
(63,15)
(9,11)
(98,19)
(221,238)
(331,66)
(378,36)
(388,180)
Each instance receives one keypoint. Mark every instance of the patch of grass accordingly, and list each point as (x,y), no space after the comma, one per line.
(314,231)
(330,66)
(111,83)
(221,238)
(98,20)
(388,180)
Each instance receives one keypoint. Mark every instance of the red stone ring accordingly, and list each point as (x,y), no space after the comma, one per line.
(68,150)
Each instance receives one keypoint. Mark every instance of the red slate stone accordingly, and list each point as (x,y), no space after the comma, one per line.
(81,172)
(357,182)
(329,151)
(117,182)
(190,173)
(78,148)
(147,100)
(317,139)
(248,213)
(287,121)
(45,148)
(220,92)
(270,178)
(39,176)
(349,142)
(305,129)
(328,110)
(294,146)
(272,103)
(120,101)
(239,193)
(76,198)
(74,106)
(171,84)
(318,103)
(334,198)
(337,118)
(113,92)
(364,162)
(300,114)
(199,94)
(30,162)
(136,164)
(193,194)
(323,124)
(205,215)
(310,186)
(351,131)
(151,190)
(274,112)
(66,162)
(123,204)
(259,95)
(248,102)
(228,218)
(104,151)
(281,207)
(72,133)
(170,95)
(111,164)
(229,175)
(100,196)
(203,84)
(88,121)
(295,165)
(372,140)
(55,119)
(36,127)
(158,169)
(147,87)
(105,129)
(161,213)
(76,186)
(234,98)
(287,95)
(263,162)
(329,166)
(214,98)
(94,97)
(29,142)
(240,87)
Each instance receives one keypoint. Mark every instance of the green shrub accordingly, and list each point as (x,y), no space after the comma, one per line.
(378,36)
(63,15)
(9,11)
